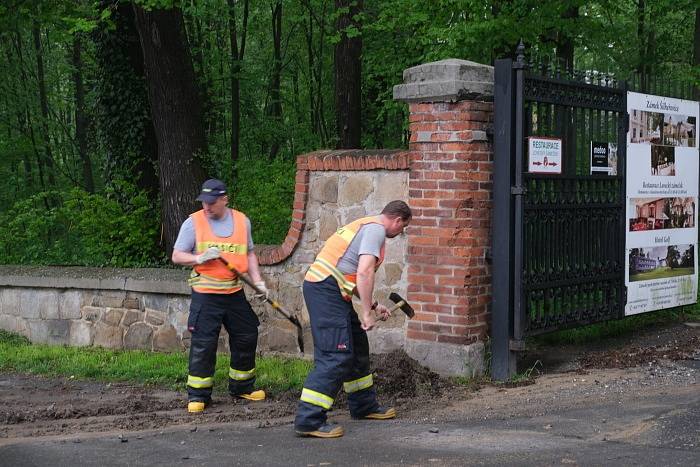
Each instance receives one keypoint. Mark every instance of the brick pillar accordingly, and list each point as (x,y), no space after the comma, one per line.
(450,185)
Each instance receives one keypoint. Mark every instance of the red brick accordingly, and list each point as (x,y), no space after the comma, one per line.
(425,317)
(437,328)
(421,336)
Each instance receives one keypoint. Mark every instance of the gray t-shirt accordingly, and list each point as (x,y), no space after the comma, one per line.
(186,240)
(368,241)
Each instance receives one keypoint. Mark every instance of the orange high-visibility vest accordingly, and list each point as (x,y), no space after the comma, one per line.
(213,276)
(326,263)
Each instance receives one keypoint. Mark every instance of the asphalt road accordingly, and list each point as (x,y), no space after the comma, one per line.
(661,429)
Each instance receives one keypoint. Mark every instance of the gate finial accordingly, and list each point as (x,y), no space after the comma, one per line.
(520,53)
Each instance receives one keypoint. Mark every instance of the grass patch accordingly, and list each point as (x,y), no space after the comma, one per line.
(619,327)
(275,374)
(661,273)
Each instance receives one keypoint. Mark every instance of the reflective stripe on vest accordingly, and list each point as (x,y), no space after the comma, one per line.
(241,375)
(199,382)
(213,276)
(327,260)
(358,384)
(316,398)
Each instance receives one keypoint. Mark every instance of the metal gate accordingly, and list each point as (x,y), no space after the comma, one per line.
(558,239)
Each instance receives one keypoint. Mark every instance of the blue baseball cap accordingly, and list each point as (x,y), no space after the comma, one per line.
(211,190)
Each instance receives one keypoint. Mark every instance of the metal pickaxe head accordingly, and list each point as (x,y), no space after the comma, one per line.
(402,304)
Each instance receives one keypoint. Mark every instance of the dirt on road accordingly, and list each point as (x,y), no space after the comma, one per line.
(653,360)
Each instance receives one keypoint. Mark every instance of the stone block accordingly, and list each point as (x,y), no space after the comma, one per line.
(91,313)
(395,251)
(12,323)
(35,304)
(108,336)
(279,336)
(133,303)
(328,225)
(155,302)
(69,303)
(383,340)
(355,189)
(9,297)
(131,317)
(110,299)
(113,316)
(155,317)
(448,359)
(177,305)
(391,186)
(353,213)
(166,339)
(138,336)
(392,273)
(324,189)
(52,331)
(81,333)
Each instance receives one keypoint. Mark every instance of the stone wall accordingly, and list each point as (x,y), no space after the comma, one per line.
(112,308)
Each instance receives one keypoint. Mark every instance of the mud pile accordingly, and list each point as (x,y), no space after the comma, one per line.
(398,376)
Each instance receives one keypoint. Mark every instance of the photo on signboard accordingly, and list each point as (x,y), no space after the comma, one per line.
(678,130)
(646,127)
(663,160)
(661,213)
(660,262)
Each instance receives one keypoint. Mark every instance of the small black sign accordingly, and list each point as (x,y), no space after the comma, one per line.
(599,156)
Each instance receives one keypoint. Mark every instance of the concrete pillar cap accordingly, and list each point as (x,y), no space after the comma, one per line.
(447,80)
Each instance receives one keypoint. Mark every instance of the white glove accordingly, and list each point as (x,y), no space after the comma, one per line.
(210,253)
(263,288)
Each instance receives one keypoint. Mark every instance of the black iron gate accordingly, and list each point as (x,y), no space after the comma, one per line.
(559,239)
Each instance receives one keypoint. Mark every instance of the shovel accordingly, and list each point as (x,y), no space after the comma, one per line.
(290,317)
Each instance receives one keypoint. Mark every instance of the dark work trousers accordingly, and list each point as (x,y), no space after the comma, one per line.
(207,313)
(341,355)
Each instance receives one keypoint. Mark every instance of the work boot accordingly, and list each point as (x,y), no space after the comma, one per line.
(258,395)
(327,430)
(381,413)
(196,406)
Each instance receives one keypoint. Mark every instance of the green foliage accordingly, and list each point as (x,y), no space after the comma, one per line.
(80,229)
(264,191)
(275,374)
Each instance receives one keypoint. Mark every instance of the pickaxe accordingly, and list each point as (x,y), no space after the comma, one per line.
(293,319)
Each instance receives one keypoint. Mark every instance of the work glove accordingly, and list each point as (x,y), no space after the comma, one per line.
(209,254)
(262,288)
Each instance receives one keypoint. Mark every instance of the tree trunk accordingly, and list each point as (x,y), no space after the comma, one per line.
(565,43)
(236,68)
(176,112)
(275,108)
(348,76)
(80,120)
(123,115)
(43,103)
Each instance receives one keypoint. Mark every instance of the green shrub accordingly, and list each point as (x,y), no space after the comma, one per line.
(79,228)
(264,191)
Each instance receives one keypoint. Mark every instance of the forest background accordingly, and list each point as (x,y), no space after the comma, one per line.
(112,113)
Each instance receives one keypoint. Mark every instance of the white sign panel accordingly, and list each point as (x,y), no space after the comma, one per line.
(662,203)
(544,155)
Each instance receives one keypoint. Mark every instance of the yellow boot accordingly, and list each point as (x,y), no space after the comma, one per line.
(196,406)
(258,395)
